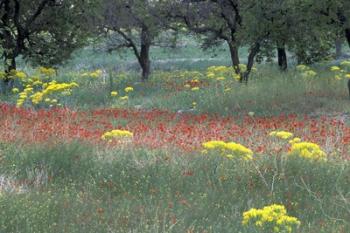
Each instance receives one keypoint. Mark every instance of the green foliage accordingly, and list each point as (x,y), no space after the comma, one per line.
(43,31)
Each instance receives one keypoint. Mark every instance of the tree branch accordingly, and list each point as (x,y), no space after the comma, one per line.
(36,14)
(130,41)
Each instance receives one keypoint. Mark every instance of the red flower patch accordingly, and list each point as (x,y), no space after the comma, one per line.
(161,129)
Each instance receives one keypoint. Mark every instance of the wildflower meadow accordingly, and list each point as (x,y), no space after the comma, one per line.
(196,116)
(137,164)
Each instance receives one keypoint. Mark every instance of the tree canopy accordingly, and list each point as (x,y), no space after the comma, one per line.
(46,32)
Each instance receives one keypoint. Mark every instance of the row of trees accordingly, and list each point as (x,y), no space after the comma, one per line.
(47,31)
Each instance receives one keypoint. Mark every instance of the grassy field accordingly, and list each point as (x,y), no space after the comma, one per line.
(57,173)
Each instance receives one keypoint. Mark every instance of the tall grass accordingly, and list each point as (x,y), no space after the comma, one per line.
(151,191)
(269,92)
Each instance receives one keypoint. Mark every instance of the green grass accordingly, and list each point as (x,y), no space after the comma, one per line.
(98,190)
(269,92)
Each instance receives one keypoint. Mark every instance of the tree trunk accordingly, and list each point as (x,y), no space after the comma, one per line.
(338,48)
(347,35)
(145,62)
(144,58)
(9,65)
(234,56)
(282,58)
(254,50)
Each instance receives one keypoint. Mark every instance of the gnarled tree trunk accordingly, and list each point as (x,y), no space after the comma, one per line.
(145,61)
(234,56)
(144,58)
(282,58)
(254,50)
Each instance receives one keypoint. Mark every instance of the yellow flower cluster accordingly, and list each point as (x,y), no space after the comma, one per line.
(342,71)
(129,89)
(307,150)
(47,89)
(271,218)
(114,93)
(281,134)
(47,71)
(219,72)
(20,74)
(116,134)
(24,95)
(229,149)
(306,71)
(335,68)
(15,90)
(94,74)
(53,86)
(294,140)
(181,74)
(124,97)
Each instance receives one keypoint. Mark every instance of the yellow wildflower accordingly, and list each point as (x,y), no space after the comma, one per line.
(194,104)
(302,67)
(294,140)
(229,149)
(114,93)
(47,71)
(19,103)
(20,74)
(214,145)
(129,89)
(117,134)
(220,78)
(310,74)
(345,63)
(37,97)
(96,74)
(37,83)
(271,218)
(307,150)
(15,90)
(281,134)
(210,75)
(335,68)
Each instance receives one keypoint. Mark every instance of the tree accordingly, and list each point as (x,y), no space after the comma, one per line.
(133,24)
(275,20)
(223,20)
(39,29)
(325,23)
